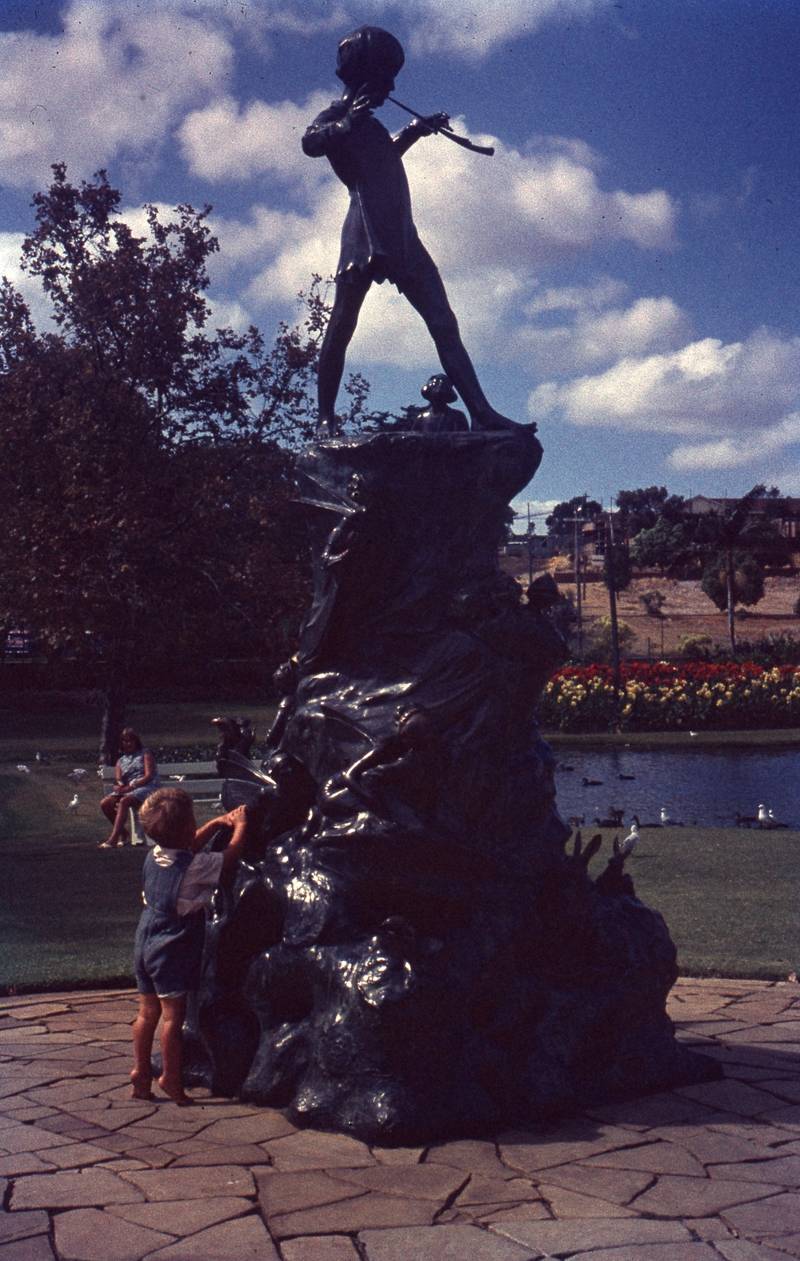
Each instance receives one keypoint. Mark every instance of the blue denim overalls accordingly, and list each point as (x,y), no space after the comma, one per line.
(169,947)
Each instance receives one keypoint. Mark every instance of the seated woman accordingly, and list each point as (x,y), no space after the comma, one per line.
(135,778)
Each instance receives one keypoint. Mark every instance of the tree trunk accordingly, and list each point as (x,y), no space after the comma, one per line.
(731,600)
(116,699)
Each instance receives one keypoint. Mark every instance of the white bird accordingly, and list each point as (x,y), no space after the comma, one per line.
(40,757)
(26,770)
(763,815)
(667,822)
(73,805)
(77,775)
(632,839)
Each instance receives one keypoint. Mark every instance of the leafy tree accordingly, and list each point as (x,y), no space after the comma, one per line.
(143,497)
(737,543)
(746,580)
(616,576)
(641,509)
(602,638)
(617,572)
(662,546)
(559,521)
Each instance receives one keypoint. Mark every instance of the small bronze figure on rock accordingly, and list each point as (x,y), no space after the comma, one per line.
(437,417)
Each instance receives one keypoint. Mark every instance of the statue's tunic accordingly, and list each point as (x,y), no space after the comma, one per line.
(379,236)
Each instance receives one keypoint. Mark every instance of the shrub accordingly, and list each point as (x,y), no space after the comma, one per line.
(694,646)
(653,602)
(748,580)
(600,638)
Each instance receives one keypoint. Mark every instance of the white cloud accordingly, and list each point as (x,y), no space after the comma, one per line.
(737,399)
(530,209)
(222,142)
(540,509)
(473,30)
(113,82)
(29,286)
(580,299)
(736,452)
(596,333)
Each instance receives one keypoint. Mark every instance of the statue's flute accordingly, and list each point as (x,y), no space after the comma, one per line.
(445,131)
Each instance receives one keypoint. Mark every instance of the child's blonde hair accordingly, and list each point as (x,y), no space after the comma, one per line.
(167,814)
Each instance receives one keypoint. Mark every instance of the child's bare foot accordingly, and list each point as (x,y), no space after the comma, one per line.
(175,1091)
(141,1086)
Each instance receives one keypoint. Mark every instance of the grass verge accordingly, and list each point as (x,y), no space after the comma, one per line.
(777,738)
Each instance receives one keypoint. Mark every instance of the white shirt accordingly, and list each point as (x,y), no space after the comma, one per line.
(199,880)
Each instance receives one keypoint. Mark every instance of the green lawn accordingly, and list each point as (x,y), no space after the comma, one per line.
(68,911)
(729,895)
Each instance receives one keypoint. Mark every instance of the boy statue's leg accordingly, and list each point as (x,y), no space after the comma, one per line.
(144,1028)
(426,292)
(351,290)
(171,1080)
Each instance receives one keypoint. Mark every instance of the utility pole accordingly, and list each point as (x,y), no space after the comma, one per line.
(576,521)
(612,604)
(530,558)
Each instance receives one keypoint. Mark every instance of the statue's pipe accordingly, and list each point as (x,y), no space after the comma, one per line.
(445,131)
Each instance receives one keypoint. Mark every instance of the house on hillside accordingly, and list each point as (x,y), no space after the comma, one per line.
(784,512)
(701,505)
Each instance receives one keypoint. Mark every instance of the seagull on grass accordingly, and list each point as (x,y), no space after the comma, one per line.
(632,839)
(667,822)
(26,770)
(73,805)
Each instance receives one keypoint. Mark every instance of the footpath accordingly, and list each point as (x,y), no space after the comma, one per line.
(703,1173)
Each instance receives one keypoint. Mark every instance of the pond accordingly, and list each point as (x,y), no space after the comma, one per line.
(706,787)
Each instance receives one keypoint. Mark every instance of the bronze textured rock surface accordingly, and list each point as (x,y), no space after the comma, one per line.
(410,951)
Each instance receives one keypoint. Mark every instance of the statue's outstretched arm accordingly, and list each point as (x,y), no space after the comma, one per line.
(418,128)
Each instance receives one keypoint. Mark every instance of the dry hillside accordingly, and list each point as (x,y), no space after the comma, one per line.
(685,609)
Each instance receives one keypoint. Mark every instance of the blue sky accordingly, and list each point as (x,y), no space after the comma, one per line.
(624,268)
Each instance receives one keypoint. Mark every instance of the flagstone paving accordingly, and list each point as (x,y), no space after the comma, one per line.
(703,1173)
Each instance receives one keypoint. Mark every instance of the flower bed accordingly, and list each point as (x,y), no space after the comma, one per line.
(666,697)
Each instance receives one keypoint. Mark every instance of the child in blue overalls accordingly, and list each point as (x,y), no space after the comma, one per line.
(178,883)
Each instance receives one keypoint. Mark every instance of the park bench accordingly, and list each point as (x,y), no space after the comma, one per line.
(199,779)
